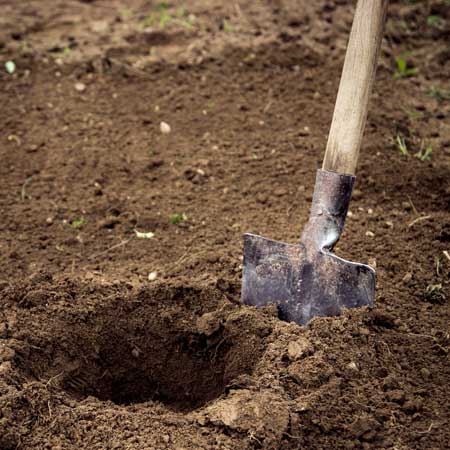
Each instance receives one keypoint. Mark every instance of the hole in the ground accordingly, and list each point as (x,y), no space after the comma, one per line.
(149,349)
(180,369)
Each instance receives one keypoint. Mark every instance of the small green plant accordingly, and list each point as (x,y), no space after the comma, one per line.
(159,17)
(439,93)
(414,114)
(176,219)
(125,13)
(227,27)
(436,21)
(162,17)
(402,146)
(403,70)
(78,223)
(424,152)
(434,293)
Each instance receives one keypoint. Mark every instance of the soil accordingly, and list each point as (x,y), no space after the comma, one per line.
(111,339)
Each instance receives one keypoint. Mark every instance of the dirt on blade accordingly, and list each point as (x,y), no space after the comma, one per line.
(114,338)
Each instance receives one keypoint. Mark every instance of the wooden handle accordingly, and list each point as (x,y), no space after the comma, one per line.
(350,111)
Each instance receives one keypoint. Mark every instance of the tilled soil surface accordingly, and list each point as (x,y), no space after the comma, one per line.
(114,338)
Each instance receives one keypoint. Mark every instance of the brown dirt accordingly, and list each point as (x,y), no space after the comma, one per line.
(94,354)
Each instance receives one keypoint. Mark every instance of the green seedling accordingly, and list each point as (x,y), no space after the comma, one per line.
(403,70)
(162,17)
(424,153)
(402,146)
(125,13)
(176,219)
(436,21)
(400,24)
(434,293)
(78,223)
(227,27)
(162,6)
(414,114)
(439,93)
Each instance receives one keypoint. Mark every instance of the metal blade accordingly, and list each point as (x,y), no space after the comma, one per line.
(302,285)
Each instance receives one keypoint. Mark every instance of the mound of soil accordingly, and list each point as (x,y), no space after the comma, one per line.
(120,244)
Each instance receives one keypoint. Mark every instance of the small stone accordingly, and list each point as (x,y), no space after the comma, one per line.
(108,223)
(304,132)
(155,163)
(363,331)
(370,234)
(407,278)
(10,67)
(280,192)
(165,128)
(406,206)
(166,438)
(413,405)
(357,194)
(33,148)
(352,366)
(396,396)
(372,262)
(261,198)
(135,352)
(370,211)
(425,373)
(299,349)
(80,87)
(389,224)
(152,276)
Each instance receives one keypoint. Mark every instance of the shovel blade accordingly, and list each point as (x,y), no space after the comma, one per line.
(303,284)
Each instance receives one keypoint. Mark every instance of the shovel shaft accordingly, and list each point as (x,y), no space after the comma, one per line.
(350,112)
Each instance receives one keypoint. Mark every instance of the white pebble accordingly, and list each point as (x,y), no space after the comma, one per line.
(165,128)
(152,276)
(10,67)
(80,87)
(370,234)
